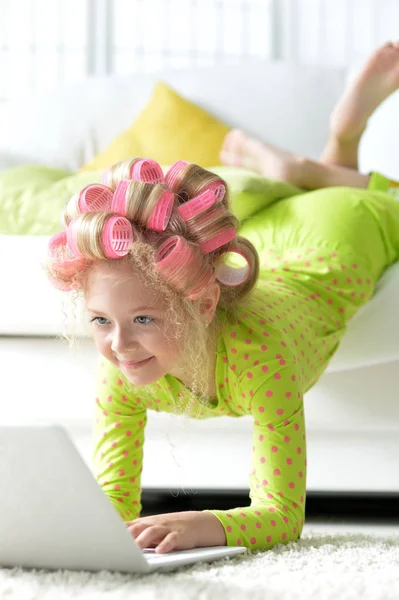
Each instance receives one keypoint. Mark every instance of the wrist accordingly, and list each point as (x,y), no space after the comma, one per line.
(211,531)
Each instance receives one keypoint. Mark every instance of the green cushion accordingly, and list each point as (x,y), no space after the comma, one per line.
(250,192)
(32,198)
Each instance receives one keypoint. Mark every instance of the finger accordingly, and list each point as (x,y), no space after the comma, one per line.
(136,520)
(135,529)
(128,523)
(169,543)
(152,536)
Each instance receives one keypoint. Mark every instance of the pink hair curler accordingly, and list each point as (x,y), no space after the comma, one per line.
(60,253)
(232,276)
(95,198)
(197,205)
(173,173)
(139,169)
(208,278)
(219,240)
(146,170)
(175,262)
(118,203)
(218,188)
(117,237)
(173,254)
(64,261)
(161,213)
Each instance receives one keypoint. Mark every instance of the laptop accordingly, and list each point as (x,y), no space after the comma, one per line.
(54,515)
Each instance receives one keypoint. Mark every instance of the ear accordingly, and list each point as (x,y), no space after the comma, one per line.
(208,302)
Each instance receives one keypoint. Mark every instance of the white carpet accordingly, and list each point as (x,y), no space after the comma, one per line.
(321,566)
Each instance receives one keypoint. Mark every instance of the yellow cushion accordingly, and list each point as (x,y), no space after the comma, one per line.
(170,128)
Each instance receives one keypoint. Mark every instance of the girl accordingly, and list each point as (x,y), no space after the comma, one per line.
(182,329)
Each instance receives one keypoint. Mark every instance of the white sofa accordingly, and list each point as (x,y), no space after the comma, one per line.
(353,411)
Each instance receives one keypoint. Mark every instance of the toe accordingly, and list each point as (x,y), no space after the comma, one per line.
(230,140)
(228,158)
(227,142)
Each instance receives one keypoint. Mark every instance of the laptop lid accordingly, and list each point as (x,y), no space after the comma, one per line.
(53,513)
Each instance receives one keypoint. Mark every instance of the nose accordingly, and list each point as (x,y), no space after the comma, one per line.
(122,341)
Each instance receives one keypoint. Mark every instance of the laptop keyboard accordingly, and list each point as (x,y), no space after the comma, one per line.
(150,552)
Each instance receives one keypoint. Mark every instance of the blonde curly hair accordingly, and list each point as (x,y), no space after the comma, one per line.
(141,185)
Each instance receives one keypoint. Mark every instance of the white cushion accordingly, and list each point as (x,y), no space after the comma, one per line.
(28,303)
(280,103)
(379,146)
(67,127)
(372,335)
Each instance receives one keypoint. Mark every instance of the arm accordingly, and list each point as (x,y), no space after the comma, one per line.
(278,466)
(118,437)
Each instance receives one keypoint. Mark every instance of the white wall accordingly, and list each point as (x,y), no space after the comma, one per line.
(47,43)
(336,32)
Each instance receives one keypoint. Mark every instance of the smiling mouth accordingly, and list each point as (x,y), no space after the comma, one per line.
(134,364)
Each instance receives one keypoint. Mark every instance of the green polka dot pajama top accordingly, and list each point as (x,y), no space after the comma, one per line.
(321,255)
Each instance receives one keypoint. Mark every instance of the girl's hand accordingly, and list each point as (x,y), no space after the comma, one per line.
(177,531)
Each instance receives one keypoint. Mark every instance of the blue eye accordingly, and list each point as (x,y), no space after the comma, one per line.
(99,320)
(149,320)
(103,321)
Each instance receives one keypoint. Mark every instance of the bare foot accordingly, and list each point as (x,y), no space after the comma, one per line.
(378,79)
(241,150)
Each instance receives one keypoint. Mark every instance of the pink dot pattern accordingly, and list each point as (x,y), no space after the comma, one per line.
(271,355)
(118,443)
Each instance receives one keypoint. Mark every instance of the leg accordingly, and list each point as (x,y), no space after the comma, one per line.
(315,175)
(241,150)
(338,163)
(377,80)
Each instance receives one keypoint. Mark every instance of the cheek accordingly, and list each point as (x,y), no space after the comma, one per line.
(171,350)
(162,345)
(102,344)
